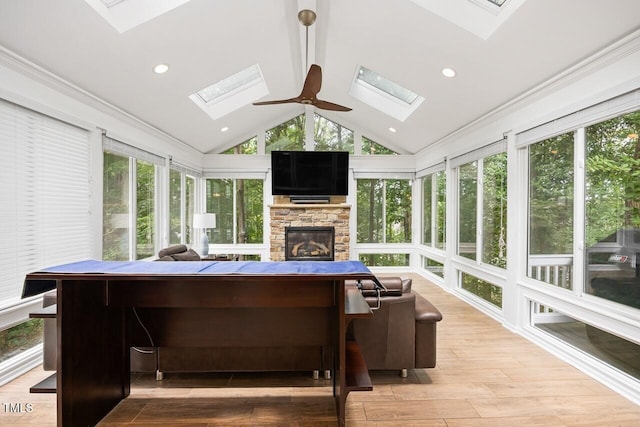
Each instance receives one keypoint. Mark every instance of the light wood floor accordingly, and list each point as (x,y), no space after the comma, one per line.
(486,376)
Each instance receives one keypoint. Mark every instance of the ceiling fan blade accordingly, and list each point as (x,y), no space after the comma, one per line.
(326,105)
(278,101)
(312,83)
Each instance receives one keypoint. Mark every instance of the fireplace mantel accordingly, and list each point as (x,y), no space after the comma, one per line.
(310,205)
(284,215)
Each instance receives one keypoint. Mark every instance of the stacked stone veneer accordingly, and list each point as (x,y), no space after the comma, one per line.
(303,215)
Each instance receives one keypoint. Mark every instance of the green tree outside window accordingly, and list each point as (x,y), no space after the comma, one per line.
(249,146)
(175,206)
(467,209)
(115,206)
(331,136)
(286,136)
(239,209)
(371,147)
(384,216)
(145,205)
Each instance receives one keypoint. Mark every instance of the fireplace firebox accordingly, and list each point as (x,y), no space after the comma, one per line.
(309,243)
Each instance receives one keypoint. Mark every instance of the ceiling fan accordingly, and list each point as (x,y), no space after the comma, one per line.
(313,81)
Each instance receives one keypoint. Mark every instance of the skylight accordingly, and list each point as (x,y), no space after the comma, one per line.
(235,82)
(111,3)
(386,85)
(127,14)
(480,17)
(384,94)
(231,93)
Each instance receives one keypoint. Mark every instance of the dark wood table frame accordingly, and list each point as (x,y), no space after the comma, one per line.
(94,322)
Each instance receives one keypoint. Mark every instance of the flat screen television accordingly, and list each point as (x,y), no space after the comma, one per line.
(309,173)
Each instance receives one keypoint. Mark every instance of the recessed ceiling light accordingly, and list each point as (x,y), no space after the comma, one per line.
(392,130)
(224,129)
(161,68)
(448,72)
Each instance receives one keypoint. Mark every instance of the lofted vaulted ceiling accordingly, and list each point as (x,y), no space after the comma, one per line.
(522,45)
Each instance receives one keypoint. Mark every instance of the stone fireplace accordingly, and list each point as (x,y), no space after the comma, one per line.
(309,243)
(284,214)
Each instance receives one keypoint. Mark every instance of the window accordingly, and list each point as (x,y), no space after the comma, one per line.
(494,208)
(145,209)
(384,210)
(551,210)
(612,209)
(231,93)
(617,352)
(467,209)
(433,266)
(383,94)
(130,224)
(371,147)
(597,207)
(331,136)
(385,260)
(434,210)
(175,207)
(115,205)
(234,83)
(286,136)
(182,195)
(189,207)
(249,146)
(385,85)
(45,211)
(482,203)
(238,205)
(485,290)
(19,338)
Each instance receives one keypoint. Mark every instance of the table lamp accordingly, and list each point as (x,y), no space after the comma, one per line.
(204,221)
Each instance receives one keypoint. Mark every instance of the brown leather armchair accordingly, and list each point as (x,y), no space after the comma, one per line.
(402,333)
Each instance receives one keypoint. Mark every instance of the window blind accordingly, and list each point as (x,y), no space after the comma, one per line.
(44,194)
(596,113)
(431,169)
(185,169)
(494,148)
(116,147)
(383,175)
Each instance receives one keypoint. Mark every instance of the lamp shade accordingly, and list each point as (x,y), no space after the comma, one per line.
(204,220)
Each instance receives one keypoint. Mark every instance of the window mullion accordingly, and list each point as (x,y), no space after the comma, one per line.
(479,210)
(133,208)
(579,211)
(434,210)
(384,211)
(183,208)
(234,229)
